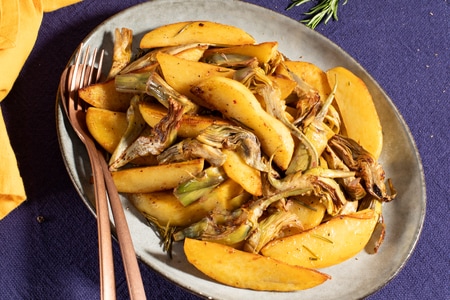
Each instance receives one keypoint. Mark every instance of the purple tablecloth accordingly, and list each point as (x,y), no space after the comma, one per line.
(48,246)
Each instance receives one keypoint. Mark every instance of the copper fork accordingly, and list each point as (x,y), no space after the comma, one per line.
(75,77)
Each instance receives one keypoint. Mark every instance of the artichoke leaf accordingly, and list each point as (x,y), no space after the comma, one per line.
(153,140)
(199,186)
(231,60)
(162,91)
(123,39)
(136,125)
(236,138)
(365,165)
(270,228)
(189,149)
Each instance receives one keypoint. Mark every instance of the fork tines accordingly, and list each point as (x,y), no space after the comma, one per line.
(88,69)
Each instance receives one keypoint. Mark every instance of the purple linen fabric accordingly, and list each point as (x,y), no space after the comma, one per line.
(48,246)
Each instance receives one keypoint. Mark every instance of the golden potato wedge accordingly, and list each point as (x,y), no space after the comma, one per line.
(183,74)
(156,178)
(309,209)
(330,243)
(237,102)
(357,109)
(168,210)
(285,85)
(192,54)
(104,95)
(248,270)
(312,75)
(106,127)
(238,170)
(195,32)
(263,52)
(190,125)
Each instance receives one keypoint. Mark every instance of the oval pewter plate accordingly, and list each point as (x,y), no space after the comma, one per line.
(353,279)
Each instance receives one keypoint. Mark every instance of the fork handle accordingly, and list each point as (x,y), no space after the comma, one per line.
(107,280)
(132,272)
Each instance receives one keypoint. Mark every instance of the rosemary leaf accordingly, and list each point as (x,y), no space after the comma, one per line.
(322,238)
(323,11)
(314,256)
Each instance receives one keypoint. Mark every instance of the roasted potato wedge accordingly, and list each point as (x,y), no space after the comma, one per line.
(195,32)
(309,210)
(312,75)
(168,210)
(237,102)
(327,244)
(106,127)
(183,74)
(104,95)
(155,178)
(357,109)
(285,85)
(236,168)
(263,52)
(192,54)
(248,270)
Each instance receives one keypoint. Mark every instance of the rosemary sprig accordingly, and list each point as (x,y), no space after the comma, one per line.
(165,233)
(324,10)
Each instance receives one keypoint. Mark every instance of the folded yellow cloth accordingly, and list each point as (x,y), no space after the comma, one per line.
(12,192)
(19,25)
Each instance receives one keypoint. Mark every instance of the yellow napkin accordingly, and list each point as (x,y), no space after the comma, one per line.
(19,24)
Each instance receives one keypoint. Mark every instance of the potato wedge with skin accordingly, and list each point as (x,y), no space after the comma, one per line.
(237,102)
(168,210)
(357,110)
(248,270)
(236,168)
(156,178)
(190,125)
(263,52)
(106,126)
(328,244)
(183,74)
(312,75)
(104,95)
(195,32)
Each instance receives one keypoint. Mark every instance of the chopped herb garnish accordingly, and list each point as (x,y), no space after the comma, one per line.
(314,256)
(323,238)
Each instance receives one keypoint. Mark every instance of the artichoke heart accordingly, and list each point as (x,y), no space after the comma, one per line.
(153,140)
(189,149)
(199,186)
(235,138)
(364,164)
